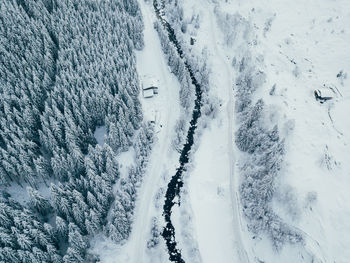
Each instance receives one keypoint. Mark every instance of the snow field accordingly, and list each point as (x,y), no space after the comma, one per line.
(301,47)
(304,47)
(210,184)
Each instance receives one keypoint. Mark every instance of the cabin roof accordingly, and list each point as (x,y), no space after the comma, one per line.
(148,93)
(150,88)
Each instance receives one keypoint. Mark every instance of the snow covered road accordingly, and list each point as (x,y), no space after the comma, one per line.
(151,62)
(212,184)
(164,108)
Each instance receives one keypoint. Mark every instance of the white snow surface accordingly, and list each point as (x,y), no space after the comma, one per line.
(315,35)
(304,49)
(213,202)
(99,134)
(300,46)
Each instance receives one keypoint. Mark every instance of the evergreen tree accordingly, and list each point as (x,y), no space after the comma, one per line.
(62,75)
(37,202)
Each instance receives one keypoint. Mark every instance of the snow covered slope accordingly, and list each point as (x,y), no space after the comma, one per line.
(301,47)
(305,47)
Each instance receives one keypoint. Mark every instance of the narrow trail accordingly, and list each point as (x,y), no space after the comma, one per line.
(242,255)
(161,157)
(140,232)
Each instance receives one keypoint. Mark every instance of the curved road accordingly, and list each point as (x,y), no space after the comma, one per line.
(160,160)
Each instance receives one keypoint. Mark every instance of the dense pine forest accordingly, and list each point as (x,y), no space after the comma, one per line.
(66,68)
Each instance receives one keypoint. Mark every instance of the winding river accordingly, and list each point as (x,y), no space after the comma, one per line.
(176,182)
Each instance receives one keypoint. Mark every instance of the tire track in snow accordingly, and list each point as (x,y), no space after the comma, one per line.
(239,245)
(140,231)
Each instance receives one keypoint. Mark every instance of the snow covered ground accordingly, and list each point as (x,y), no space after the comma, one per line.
(301,47)
(304,46)
(213,205)
(305,49)
(99,134)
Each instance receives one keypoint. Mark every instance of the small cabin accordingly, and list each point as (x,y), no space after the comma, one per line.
(148,93)
(149,87)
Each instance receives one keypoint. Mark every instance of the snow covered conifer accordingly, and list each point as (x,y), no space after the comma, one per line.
(76,240)
(61,228)
(38,202)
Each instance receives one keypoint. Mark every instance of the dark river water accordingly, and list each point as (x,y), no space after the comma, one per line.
(176,182)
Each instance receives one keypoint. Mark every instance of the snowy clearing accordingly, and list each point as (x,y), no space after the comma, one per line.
(99,134)
(303,46)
